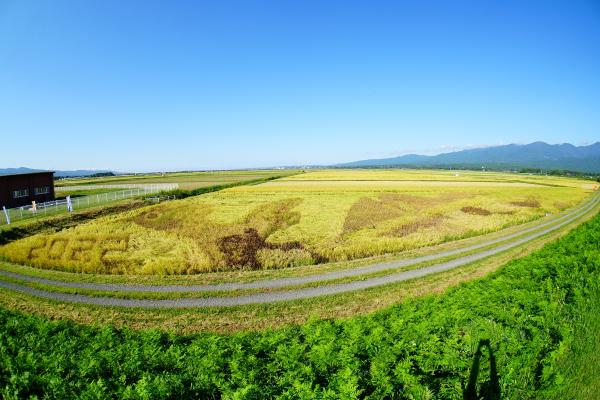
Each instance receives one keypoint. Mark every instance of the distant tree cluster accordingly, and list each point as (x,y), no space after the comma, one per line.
(559,172)
(101,174)
(96,175)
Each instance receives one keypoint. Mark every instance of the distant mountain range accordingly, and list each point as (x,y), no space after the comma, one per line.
(538,155)
(60,174)
(513,156)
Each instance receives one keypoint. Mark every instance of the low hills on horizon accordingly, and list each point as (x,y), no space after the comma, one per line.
(58,174)
(537,155)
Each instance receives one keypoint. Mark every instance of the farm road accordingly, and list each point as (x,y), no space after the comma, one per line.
(293,294)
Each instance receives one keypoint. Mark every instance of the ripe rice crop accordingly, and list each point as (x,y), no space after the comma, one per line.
(300,220)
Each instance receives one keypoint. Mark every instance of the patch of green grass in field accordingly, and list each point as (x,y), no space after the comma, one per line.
(529,311)
(61,194)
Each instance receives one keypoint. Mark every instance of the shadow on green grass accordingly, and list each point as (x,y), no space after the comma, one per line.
(488,390)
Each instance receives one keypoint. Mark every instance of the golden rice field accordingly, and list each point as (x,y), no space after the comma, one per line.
(320,216)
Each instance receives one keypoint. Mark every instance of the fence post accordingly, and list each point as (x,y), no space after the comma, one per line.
(6,215)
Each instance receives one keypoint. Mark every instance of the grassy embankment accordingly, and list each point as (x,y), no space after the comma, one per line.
(538,314)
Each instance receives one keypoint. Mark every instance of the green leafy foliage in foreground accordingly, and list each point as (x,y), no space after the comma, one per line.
(532,313)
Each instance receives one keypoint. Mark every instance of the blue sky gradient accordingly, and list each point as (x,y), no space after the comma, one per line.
(144,85)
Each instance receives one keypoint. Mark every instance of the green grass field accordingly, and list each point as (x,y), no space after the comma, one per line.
(305,219)
(63,192)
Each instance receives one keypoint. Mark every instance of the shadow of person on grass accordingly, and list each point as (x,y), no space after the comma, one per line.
(489,390)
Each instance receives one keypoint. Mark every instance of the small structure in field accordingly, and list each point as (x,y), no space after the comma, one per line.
(22,189)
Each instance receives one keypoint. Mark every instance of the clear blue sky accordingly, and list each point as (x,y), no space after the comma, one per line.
(144,85)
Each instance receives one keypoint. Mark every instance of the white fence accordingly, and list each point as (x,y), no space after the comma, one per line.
(60,206)
(157,186)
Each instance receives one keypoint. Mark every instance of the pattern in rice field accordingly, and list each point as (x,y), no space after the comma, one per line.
(103,252)
(288,223)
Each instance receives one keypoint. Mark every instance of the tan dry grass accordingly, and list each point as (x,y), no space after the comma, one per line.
(530,202)
(476,210)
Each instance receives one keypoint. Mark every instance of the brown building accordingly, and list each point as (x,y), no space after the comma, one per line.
(21,189)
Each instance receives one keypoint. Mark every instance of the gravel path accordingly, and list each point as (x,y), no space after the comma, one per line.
(284,282)
(309,292)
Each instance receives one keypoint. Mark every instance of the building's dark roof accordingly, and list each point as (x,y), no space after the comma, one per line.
(26,173)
